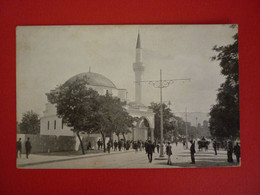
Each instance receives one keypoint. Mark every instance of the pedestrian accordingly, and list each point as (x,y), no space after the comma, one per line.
(108,147)
(169,153)
(28,147)
(192,152)
(101,145)
(215,146)
(237,152)
(98,143)
(135,146)
(119,145)
(115,145)
(230,151)
(19,148)
(150,149)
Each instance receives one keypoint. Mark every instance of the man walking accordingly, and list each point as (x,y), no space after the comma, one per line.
(230,151)
(237,152)
(169,153)
(115,145)
(28,147)
(150,149)
(215,146)
(108,147)
(19,148)
(98,143)
(192,152)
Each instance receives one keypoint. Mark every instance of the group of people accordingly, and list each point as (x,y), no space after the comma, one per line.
(231,149)
(28,147)
(116,145)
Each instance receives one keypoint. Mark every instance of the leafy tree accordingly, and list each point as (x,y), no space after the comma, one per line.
(85,110)
(122,122)
(30,123)
(224,115)
(76,105)
(168,123)
(112,117)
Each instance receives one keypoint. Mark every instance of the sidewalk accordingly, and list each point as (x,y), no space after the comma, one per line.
(35,159)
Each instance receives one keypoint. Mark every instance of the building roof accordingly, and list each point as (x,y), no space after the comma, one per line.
(94,79)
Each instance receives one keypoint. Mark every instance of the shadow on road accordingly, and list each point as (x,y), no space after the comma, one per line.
(202,163)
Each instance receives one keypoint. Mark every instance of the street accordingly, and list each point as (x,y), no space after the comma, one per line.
(126,159)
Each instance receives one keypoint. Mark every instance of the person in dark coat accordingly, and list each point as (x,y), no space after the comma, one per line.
(119,145)
(215,146)
(150,148)
(169,153)
(99,143)
(108,147)
(237,152)
(115,145)
(230,151)
(28,147)
(19,148)
(192,152)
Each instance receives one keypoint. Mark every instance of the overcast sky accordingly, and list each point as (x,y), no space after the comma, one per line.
(49,55)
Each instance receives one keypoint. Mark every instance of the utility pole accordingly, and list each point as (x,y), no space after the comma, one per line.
(186,128)
(162,84)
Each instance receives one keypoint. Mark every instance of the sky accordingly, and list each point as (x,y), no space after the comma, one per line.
(47,56)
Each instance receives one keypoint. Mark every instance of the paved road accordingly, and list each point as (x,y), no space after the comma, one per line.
(132,159)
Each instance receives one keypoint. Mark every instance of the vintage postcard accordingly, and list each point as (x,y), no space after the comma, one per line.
(127,96)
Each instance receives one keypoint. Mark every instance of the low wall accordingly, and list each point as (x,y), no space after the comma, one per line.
(48,143)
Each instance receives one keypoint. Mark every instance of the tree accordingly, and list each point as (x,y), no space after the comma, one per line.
(112,117)
(168,123)
(224,115)
(76,105)
(30,123)
(85,110)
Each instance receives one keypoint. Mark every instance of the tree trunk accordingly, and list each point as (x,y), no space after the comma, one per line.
(124,137)
(104,141)
(81,144)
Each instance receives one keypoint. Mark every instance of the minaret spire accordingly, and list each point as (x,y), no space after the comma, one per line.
(138,69)
(138,43)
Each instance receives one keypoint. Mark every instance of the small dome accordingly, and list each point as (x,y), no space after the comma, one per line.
(94,79)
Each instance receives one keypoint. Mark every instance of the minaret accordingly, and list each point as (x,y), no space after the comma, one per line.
(138,69)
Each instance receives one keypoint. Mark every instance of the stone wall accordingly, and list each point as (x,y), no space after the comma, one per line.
(48,143)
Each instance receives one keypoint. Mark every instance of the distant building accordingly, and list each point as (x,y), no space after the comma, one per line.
(51,124)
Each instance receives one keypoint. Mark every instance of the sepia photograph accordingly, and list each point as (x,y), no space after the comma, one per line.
(127,96)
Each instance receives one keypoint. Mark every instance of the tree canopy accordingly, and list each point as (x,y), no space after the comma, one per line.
(171,124)
(30,123)
(224,115)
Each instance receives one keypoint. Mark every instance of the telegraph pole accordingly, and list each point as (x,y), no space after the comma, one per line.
(186,128)
(162,84)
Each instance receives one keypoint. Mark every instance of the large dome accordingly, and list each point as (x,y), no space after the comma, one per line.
(93,79)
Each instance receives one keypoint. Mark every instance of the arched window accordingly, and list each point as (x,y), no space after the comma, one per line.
(54,124)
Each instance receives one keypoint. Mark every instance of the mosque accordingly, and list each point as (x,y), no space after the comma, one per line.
(51,124)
